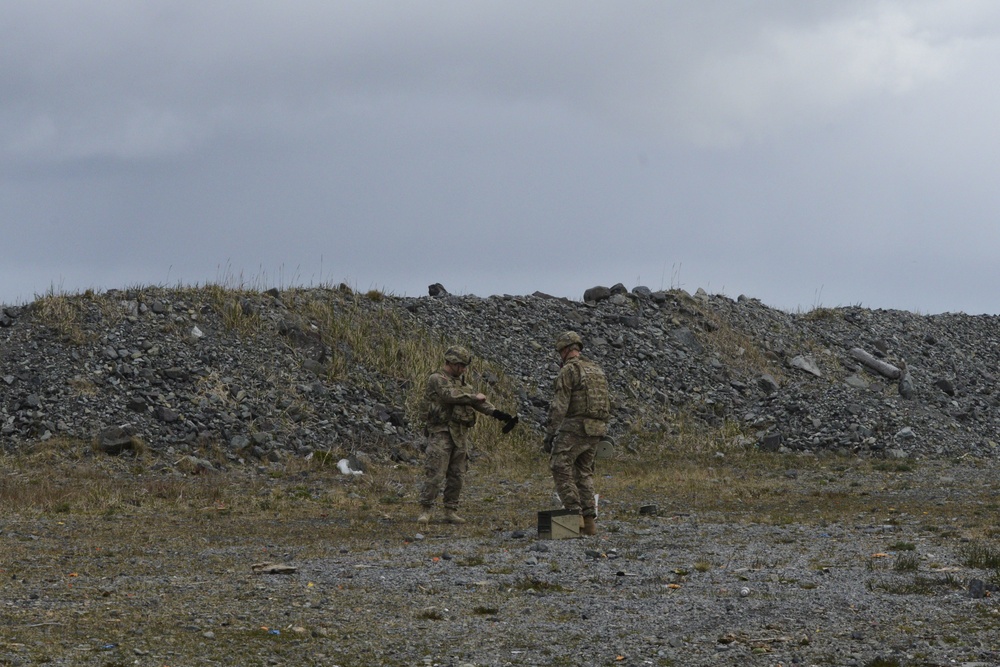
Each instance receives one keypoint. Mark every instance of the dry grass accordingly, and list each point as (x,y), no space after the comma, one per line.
(120,544)
(365,333)
(821,313)
(235,308)
(510,474)
(707,470)
(740,350)
(77,319)
(371,335)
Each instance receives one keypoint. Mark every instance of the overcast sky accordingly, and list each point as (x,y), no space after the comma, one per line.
(820,153)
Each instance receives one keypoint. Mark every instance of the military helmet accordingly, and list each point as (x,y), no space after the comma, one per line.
(567,339)
(457,354)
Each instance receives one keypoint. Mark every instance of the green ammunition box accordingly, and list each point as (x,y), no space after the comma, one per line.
(558,524)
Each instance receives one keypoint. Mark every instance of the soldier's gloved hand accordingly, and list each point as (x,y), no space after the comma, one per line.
(501,416)
(511,423)
(547,443)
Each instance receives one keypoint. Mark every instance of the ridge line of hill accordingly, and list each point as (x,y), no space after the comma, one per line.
(238,376)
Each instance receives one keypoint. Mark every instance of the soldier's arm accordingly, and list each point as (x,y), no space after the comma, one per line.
(454,393)
(560,400)
(485,407)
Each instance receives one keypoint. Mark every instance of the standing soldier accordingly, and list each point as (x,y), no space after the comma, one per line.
(578,418)
(452,405)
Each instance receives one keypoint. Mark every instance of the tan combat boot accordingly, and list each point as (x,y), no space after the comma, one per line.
(451,517)
(589,526)
(425,517)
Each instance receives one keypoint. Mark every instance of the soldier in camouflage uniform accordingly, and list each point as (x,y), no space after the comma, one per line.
(578,417)
(452,407)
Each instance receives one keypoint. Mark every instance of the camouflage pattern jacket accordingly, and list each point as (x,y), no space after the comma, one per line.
(451,404)
(581,404)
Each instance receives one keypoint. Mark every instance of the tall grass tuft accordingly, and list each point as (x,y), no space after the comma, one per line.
(982,556)
(365,333)
(77,319)
(236,309)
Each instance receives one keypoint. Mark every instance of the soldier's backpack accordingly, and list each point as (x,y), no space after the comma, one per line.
(598,400)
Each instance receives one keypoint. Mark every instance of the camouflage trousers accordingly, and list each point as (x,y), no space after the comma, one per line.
(572,465)
(444,467)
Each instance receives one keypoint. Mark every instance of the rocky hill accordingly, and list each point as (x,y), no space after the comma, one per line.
(265,375)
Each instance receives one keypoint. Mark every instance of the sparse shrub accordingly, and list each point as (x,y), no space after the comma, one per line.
(907,563)
(874,564)
(430,614)
(822,313)
(472,561)
(894,466)
(65,315)
(883,662)
(982,556)
(239,316)
(529,583)
(740,350)
(918,585)
(485,611)
(83,386)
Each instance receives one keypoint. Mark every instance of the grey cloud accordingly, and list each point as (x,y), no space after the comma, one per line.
(796,152)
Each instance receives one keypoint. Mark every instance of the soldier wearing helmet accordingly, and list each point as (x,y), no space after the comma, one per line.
(566,339)
(578,417)
(452,408)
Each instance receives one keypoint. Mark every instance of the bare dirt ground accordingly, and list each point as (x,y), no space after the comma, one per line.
(830,562)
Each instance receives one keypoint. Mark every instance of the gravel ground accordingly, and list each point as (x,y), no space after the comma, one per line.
(673,591)
(888,585)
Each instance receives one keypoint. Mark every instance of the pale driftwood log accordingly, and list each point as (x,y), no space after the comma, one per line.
(877,365)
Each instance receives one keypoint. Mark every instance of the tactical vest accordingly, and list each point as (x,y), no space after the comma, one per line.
(437,414)
(590,399)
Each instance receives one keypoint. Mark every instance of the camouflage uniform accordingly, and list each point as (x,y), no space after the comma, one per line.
(577,420)
(451,414)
